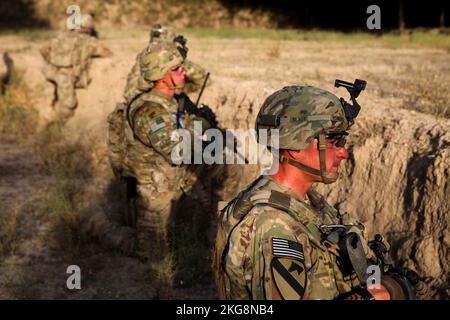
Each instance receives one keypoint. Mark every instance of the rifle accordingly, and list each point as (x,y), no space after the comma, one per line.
(186,105)
(401,283)
(93,33)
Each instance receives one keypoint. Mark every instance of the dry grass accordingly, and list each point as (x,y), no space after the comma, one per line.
(59,154)
(70,165)
(63,215)
(18,120)
(162,276)
(275,50)
(415,38)
(17,281)
(8,230)
(430,93)
(256,68)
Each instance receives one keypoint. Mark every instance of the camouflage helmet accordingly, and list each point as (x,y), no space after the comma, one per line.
(160,59)
(301,114)
(159,33)
(87,21)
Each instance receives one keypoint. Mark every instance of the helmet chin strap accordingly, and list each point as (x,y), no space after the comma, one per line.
(327,177)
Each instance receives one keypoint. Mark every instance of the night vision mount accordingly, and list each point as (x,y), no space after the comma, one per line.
(181,41)
(354,89)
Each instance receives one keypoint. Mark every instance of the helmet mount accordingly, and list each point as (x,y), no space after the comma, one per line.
(354,89)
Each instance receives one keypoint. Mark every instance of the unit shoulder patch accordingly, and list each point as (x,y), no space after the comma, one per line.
(289,276)
(288,268)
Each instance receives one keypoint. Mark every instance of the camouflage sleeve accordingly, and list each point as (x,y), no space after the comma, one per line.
(195,75)
(99,51)
(132,85)
(279,255)
(135,71)
(154,126)
(45,51)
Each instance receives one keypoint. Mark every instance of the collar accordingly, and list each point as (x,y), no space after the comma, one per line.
(157,93)
(275,186)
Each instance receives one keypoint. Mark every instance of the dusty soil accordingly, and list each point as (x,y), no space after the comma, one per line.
(398,176)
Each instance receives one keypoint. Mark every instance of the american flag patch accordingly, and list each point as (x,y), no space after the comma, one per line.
(287,248)
(158,124)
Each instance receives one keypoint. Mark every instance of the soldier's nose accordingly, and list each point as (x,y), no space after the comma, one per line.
(343,153)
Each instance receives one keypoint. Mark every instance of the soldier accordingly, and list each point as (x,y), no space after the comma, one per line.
(68,58)
(6,64)
(195,74)
(279,239)
(140,148)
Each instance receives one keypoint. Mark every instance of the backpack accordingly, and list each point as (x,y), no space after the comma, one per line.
(116,138)
(120,132)
(64,51)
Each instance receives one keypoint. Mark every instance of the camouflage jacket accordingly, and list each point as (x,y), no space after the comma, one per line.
(149,125)
(74,50)
(135,84)
(264,251)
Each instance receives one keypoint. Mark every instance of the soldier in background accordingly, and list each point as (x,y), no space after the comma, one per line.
(140,147)
(195,74)
(279,239)
(68,58)
(6,65)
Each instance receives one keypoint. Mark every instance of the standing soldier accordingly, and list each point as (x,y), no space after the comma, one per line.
(68,58)
(279,239)
(195,74)
(140,148)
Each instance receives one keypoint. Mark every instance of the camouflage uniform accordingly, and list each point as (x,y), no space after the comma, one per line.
(68,58)
(271,244)
(195,74)
(140,147)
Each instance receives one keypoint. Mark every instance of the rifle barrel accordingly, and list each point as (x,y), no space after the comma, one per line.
(202,89)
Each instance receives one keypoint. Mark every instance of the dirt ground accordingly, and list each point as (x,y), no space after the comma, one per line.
(243,74)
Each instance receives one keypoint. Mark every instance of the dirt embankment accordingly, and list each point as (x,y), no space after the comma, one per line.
(397,179)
